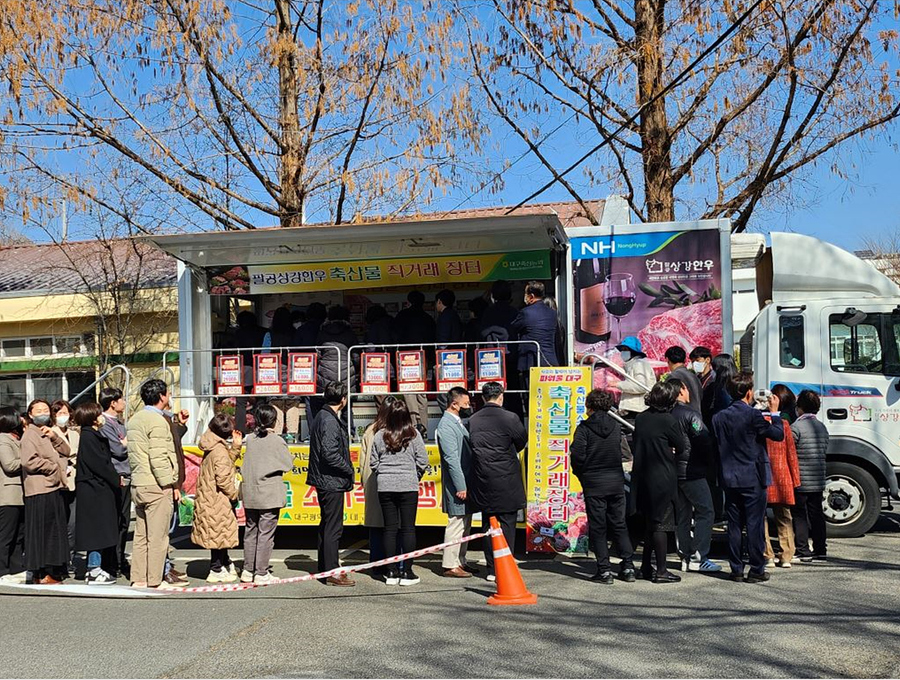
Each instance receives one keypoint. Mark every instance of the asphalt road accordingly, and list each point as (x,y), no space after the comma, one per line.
(836,619)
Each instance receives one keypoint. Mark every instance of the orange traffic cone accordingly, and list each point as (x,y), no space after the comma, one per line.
(510,586)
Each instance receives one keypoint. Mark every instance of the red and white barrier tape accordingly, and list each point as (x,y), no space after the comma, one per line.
(230,587)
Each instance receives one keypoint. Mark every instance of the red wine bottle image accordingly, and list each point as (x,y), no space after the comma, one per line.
(591,317)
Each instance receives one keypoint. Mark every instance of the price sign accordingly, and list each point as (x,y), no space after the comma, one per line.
(490,366)
(230,371)
(376,373)
(451,369)
(302,372)
(266,374)
(411,371)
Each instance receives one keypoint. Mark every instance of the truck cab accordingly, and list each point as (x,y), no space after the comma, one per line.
(830,322)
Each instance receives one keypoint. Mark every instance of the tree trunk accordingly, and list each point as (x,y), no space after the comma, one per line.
(656,141)
(289,119)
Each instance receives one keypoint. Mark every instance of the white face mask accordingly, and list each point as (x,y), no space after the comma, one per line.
(62,421)
(699,367)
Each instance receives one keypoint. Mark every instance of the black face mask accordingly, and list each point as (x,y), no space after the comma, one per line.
(465,413)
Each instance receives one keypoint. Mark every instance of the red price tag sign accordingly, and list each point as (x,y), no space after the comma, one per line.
(411,371)
(302,372)
(376,373)
(451,369)
(266,374)
(490,366)
(230,370)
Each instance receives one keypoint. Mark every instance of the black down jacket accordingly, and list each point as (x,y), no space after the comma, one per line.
(811,438)
(340,335)
(330,468)
(495,479)
(597,455)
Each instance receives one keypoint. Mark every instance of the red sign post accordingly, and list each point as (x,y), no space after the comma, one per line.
(376,373)
(302,372)
(266,374)
(230,370)
(411,371)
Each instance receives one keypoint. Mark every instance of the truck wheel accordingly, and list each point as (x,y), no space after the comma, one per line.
(852,500)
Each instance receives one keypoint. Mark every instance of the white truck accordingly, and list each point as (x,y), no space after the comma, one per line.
(830,321)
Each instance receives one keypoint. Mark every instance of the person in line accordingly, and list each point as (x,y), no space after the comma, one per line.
(496,488)
(61,423)
(676,358)
(331,474)
(640,380)
(398,461)
(701,364)
(560,340)
(741,432)
(811,441)
(337,336)
(538,323)
(247,336)
(472,330)
(380,329)
(456,466)
(215,524)
(785,471)
(496,329)
(450,330)
(726,371)
(44,456)
(178,426)
(373,520)
(154,479)
(694,506)
(597,462)
(308,333)
(266,459)
(658,442)
(281,335)
(96,482)
(12,501)
(112,401)
(415,326)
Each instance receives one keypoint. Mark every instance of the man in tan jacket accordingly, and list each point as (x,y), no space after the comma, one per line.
(154,481)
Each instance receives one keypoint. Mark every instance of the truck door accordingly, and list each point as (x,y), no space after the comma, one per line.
(861,408)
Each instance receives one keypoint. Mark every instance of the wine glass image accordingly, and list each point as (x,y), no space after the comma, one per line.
(618,297)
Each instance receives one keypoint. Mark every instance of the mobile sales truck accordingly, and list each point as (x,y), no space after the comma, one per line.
(827,321)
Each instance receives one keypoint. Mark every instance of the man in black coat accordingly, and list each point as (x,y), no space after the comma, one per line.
(597,462)
(331,473)
(742,431)
(537,322)
(416,326)
(496,437)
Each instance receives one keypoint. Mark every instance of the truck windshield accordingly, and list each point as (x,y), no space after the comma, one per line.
(870,346)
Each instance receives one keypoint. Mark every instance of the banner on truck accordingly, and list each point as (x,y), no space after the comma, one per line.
(230,374)
(348,274)
(664,287)
(556,520)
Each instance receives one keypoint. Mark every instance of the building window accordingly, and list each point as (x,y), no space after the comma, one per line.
(72,345)
(14,392)
(41,347)
(17,390)
(13,348)
(792,353)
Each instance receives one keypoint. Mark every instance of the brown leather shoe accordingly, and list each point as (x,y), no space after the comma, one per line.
(343,581)
(456,572)
(174,581)
(49,581)
(178,574)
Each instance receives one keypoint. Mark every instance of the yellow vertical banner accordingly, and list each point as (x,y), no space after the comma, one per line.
(556,521)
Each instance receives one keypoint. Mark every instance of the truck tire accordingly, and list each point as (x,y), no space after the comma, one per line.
(852,500)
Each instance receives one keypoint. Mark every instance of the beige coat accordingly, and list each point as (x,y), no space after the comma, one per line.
(632,399)
(44,461)
(215,524)
(10,471)
(151,450)
(373,517)
(72,436)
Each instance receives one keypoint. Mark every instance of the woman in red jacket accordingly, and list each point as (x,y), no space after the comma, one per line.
(785,478)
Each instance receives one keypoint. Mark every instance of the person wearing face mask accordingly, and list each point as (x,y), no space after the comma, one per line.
(456,467)
(61,423)
(640,380)
(97,526)
(154,483)
(44,456)
(701,365)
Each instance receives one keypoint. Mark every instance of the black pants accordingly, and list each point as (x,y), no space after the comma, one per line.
(399,511)
(218,559)
(331,527)
(12,539)
(507,522)
(746,508)
(117,561)
(809,522)
(606,519)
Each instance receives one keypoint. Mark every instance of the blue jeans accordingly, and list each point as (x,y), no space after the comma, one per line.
(93,560)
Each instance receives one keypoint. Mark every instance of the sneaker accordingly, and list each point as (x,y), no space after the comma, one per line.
(795,559)
(391,577)
(708,567)
(221,576)
(685,565)
(628,576)
(491,578)
(266,579)
(408,578)
(98,577)
(246,576)
(694,565)
(819,558)
(21,577)
(232,569)
(806,559)
(605,577)
(771,563)
(784,565)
